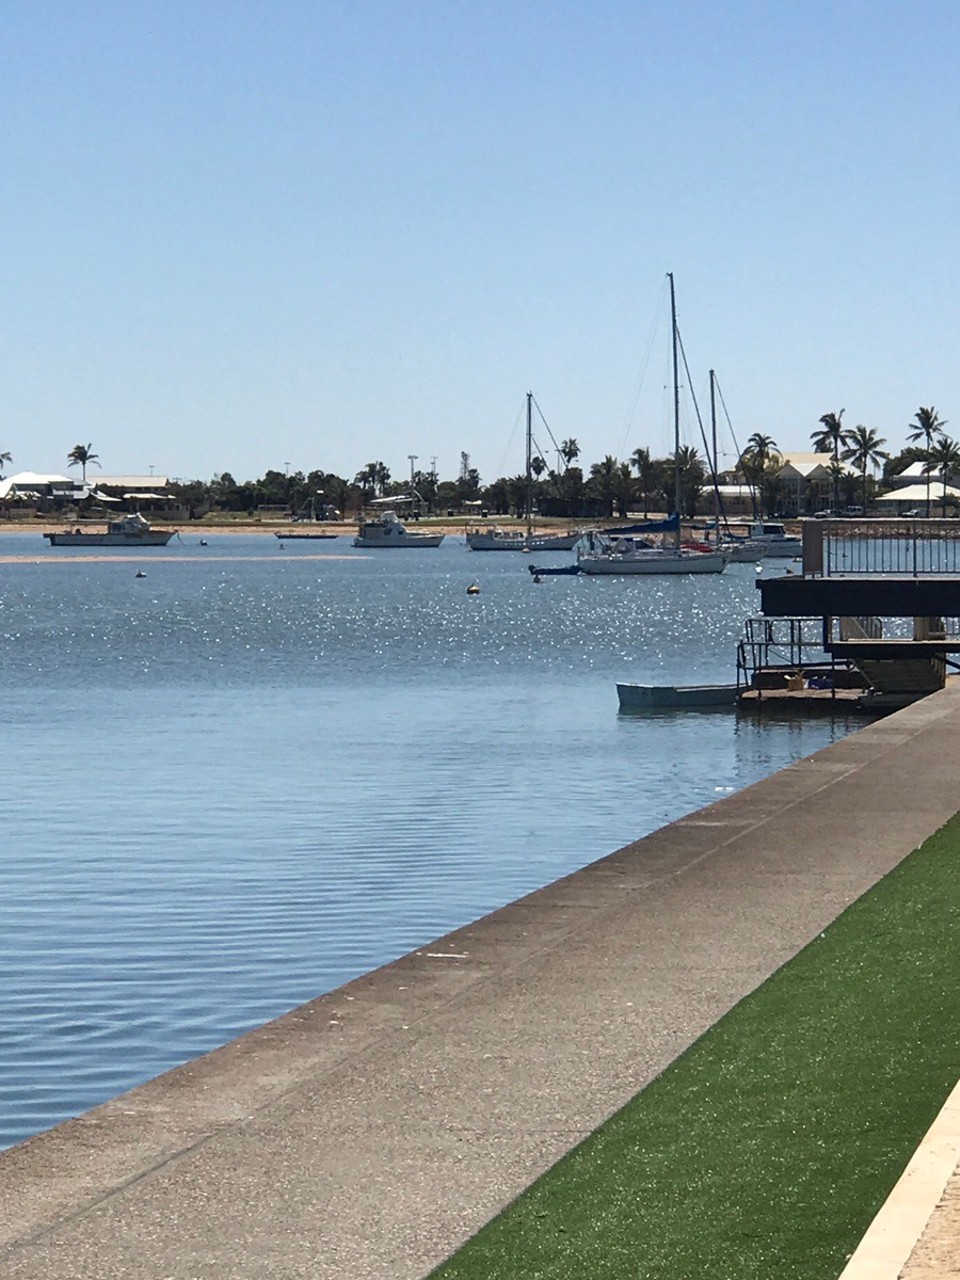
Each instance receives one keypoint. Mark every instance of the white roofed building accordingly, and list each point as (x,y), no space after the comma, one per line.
(34,486)
(914,498)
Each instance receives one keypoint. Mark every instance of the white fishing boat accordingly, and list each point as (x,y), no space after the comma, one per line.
(777,544)
(388,530)
(742,550)
(491,538)
(605,554)
(126,531)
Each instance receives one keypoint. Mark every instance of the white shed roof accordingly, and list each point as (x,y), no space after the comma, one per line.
(915,494)
(32,480)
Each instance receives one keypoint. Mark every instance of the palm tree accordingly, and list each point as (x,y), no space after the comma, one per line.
(830,439)
(692,475)
(929,425)
(569,450)
(944,457)
(367,478)
(81,455)
(646,469)
(5,457)
(603,481)
(623,488)
(756,460)
(864,449)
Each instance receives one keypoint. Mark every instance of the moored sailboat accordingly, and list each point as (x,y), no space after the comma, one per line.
(618,555)
(491,538)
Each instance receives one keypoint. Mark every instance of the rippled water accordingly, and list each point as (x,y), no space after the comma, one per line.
(262,770)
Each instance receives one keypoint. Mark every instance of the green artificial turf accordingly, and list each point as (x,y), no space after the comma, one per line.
(765,1150)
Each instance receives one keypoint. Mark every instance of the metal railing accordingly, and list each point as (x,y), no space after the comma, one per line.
(789,644)
(897,547)
(903,629)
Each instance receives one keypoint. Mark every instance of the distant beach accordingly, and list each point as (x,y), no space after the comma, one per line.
(202,529)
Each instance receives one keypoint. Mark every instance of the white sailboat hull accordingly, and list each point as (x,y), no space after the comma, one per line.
(781,548)
(500,540)
(748,552)
(653,561)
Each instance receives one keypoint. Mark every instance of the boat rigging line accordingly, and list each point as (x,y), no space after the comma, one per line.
(549,433)
(652,345)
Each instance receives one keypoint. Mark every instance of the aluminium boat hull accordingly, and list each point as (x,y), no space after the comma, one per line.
(651,697)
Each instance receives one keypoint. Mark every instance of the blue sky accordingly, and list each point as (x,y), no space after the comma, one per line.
(245,235)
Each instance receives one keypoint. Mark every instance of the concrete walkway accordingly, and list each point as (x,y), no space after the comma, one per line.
(368,1133)
(916,1235)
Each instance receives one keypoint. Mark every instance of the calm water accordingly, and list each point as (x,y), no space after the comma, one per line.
(262,770)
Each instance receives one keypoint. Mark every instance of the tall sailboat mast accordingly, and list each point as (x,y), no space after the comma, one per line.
(677,490)
(529,466)
(716,460)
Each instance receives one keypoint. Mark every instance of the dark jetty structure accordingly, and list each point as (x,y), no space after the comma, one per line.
(884,596)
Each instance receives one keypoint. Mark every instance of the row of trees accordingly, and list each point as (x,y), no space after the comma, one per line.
(610,487)
(863,450)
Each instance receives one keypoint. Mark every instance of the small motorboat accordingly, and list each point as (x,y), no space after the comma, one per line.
(565,570)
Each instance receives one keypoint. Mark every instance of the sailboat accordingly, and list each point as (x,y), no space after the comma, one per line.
(610,553)
(492,538)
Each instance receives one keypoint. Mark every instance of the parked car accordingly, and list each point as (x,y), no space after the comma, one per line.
(913,514)
(825,515)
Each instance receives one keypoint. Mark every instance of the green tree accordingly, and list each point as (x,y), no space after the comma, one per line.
(5,457)
(831,438)
(517,491)
(648,474)
(497,497)
(943,457)
(338,492)
(623,488)
(756,461)
(81,455)
(603,482)
(864,449)
(366,480)
(572,490)
(926,427)
(692,476)
(468,485)
(569,450)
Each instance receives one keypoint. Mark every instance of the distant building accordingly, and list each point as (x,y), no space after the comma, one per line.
(31,486)
(915,474)
(803,485)
(805,482)
(913,498)
(132,489)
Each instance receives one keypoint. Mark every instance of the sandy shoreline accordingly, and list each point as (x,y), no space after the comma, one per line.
(346,528)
